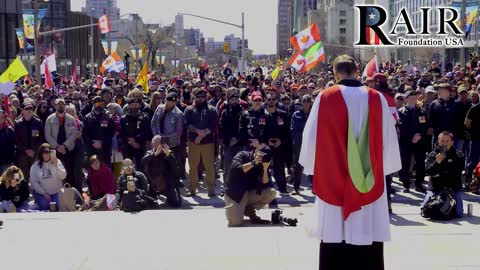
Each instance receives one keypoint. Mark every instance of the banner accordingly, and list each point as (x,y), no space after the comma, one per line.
(471,12)
(178,63)
(105,46)
(157,57)
(173,63)
(140,55)
(28,21)
(163,59)
(28,24)
(114,45)
(21,38)
(52,64)
(134,53)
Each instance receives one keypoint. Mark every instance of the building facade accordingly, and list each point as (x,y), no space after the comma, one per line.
(10,18)
(192,37)
(284,28)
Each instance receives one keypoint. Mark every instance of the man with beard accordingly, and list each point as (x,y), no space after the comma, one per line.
(98,132)
(201,121)
(134,132)
(29,135)
(230,129)
(61,134)
(168,123)
(252,124)
(277,130)
(159,168)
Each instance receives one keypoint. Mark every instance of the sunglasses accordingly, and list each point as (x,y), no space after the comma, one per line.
(272,99)
(127,166)
(46,152)
(28,109)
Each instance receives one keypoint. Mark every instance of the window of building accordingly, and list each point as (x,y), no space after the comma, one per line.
(343,13)
(343,22)
(343,31)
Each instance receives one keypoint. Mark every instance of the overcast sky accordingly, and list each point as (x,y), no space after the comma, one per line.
(260,17)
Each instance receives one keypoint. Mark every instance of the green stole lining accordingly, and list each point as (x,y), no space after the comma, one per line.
(359,163)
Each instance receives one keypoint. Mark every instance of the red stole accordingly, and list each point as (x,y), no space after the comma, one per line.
(331,179)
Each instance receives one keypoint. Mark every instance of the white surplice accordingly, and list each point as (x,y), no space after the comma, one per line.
(371,223)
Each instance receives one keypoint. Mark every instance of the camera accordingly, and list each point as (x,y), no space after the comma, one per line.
(278,218)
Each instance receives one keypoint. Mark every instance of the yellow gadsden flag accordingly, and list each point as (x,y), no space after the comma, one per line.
(15,71)
(142,78)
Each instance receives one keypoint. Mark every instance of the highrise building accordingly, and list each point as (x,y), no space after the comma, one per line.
(102,7)
(179,30)
(284,27)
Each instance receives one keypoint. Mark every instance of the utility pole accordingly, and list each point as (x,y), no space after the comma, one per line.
(463,50)
(90,40)
(109,3)
(242,59)
(38,74)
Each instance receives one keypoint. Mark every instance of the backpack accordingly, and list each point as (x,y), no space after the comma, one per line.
(67,199)
(441,206)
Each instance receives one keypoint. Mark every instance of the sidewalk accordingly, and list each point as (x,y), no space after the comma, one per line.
(199,239)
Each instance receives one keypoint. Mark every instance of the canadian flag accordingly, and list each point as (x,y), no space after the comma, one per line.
(297,61)
(48,78)
(371,68)
(104,24)
(306,38)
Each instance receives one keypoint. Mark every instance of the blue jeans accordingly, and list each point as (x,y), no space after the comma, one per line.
(42,203)
(458,200)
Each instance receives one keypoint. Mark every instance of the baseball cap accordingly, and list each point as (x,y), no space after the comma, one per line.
(399,95)
(199,91)
(28,104)
(171,96)
(462,89)
(58,100)
(430,89)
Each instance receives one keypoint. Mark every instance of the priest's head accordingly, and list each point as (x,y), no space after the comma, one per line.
(345,67)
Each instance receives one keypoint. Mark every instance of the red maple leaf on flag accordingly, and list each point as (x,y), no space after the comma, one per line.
(305,39)
(301,61)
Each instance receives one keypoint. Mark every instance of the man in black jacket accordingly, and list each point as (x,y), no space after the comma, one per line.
(444,165)
(134,131)
(442,111)
(230,129)
(132,190)
(412,124)
(201,122)
(159,165)
(248,188)
(98,132)
(277,134)
(29,135)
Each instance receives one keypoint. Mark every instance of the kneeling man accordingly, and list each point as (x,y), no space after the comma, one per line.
(247,187)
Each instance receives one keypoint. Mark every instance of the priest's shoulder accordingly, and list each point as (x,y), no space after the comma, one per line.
(330,90)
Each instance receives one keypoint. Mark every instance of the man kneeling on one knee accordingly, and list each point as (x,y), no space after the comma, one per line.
(248,186)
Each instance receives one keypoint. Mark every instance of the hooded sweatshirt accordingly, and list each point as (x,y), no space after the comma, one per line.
(47,179)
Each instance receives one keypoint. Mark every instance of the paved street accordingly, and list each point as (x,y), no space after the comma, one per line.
(199,239)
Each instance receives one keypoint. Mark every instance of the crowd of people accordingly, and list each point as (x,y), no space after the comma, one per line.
(124,147)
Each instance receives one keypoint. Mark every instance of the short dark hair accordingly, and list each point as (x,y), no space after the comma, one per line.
(345,64)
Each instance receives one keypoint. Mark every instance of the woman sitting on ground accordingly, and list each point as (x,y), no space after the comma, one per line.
(46,177)
(14,192)
(100,179)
